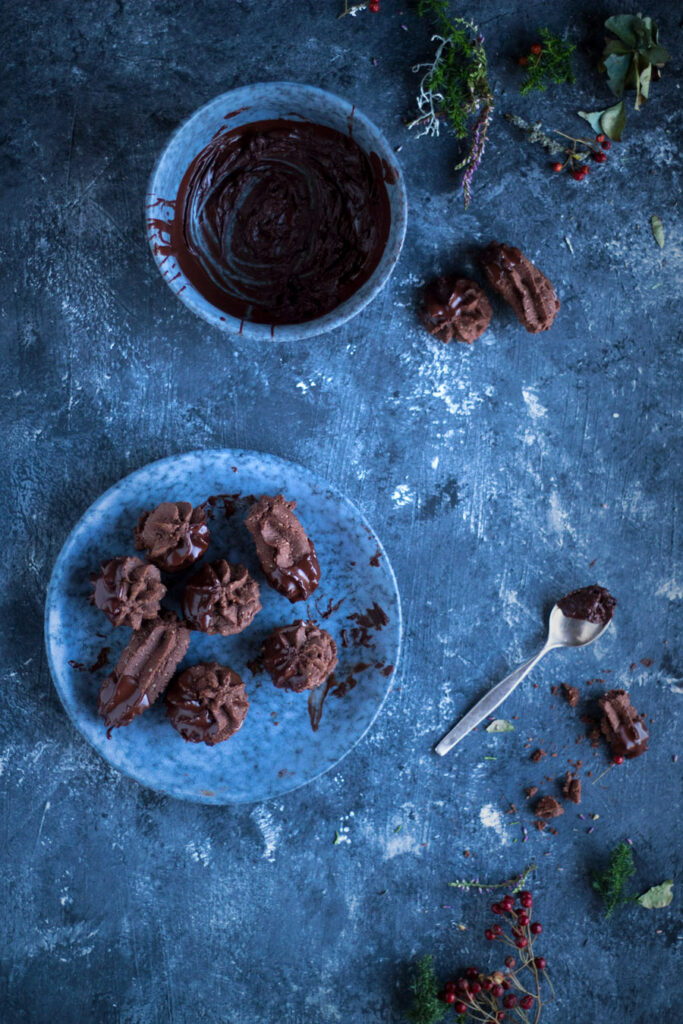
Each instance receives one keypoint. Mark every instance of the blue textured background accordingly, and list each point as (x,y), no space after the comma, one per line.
(496,475)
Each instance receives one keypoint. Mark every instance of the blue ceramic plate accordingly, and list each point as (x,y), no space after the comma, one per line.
(277,749)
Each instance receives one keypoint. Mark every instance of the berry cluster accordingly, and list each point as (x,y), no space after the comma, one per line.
(535,51)
(488,997)
(575,161)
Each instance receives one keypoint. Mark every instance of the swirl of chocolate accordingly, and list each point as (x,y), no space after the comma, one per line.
(622,726)
(128,591)
(143,670)
(174,535)
(278,222)
(299,657)
(456,310)
(522,285)
(221,598)
(286,554)
(207,703)
(594,604)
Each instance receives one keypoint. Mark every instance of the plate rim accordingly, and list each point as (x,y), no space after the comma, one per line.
(52,592)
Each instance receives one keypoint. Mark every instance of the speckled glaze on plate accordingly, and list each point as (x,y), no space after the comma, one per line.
(276,750)
(260,102)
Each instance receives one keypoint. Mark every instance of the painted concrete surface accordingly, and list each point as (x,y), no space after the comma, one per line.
(498,476)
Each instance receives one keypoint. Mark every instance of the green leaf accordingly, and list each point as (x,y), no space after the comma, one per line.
(617,67)
(593,119)
(658,896)
(613,121)
(657,55)
(657,230)
(623,26)
(500,725)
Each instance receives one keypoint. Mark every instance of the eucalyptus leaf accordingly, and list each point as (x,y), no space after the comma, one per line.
(623,26)
(657,230)
(617,68)
(658,896)
(500,725)
(613,121)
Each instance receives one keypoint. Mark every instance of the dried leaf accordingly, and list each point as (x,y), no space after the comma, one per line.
(658,896)
(613,121)
(500,725)
(657,230)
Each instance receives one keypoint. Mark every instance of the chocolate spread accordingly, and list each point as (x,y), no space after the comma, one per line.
(594,604)
(278,222)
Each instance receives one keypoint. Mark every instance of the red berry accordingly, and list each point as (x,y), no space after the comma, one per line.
(500,1015)
(526,899)
(497,991)
(510,962)
(450,986)
(506,983)
(600,137)
(488,934)
(521,942)
(541,963)
(618,759)
(536,49)
(510,1001)
(577,175)
(523,61)
(475,988)
(487,984)
(374,6)
(526,1002)
(508,903)
(606,144)
(463,984)
(460,1008)
(558,166)
(600,158)
(522,919)
(472,972)
(496,908)
(497,929)
(536,928)
(449,997)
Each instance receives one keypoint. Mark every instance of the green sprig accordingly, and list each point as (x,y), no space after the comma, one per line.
(610,883)
(427,1008)
(552,65)
(454,87)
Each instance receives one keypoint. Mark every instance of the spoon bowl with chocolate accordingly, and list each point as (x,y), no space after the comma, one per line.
(576,620)
(277,211)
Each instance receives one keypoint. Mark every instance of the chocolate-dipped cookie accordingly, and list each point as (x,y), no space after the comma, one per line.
(207,703)
(174,535)
(221,598)
(300,656)
(286,554)
(128,591)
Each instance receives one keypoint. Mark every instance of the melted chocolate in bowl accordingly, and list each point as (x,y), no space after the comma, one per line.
(279,222)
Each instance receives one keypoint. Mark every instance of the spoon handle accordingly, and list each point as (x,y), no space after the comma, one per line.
(488,703)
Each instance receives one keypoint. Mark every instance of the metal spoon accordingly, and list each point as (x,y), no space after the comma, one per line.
(563,631)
